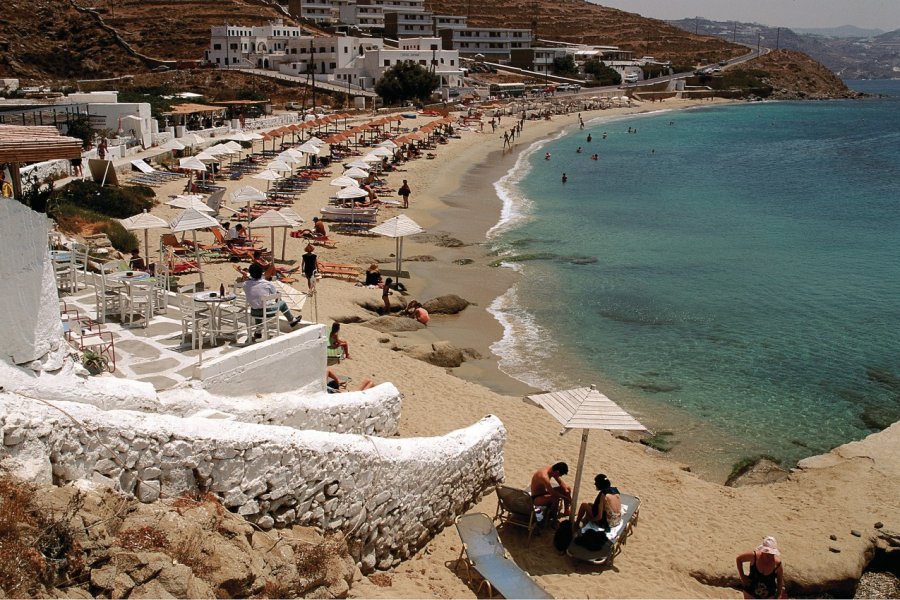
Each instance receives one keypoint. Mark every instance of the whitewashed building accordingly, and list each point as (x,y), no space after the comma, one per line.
(495,43)
(366,70)
(241,46)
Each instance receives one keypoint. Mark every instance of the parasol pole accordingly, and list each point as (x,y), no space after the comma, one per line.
(199,268)
(283,242)
(578,472)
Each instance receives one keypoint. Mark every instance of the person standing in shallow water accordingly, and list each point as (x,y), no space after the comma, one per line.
(565,178)
(766,576)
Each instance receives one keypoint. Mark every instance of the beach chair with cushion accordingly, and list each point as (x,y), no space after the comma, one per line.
(514,507)
(616,537)
(483,554)
(342,270)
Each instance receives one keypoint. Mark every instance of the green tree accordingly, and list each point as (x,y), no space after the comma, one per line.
(80,127)
(406,81)
(564,66)
(603,74)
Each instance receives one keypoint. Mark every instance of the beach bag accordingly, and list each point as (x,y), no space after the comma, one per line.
(592,539)
(563,536)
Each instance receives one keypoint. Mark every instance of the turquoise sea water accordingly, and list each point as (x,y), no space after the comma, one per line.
(738,266)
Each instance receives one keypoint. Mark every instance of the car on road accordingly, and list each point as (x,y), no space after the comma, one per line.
(631,78)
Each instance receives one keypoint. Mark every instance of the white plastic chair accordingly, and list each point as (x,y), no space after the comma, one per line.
(139,299)
(195,320)
(267,325)
(107,302)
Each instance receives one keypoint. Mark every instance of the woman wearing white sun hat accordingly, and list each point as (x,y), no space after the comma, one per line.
(766,576)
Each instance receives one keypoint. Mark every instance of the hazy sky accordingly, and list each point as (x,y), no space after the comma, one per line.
(879,14)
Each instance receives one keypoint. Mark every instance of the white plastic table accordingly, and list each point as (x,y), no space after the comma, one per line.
(215,300)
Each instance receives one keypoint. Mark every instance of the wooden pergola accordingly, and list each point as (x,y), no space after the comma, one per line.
(25,145)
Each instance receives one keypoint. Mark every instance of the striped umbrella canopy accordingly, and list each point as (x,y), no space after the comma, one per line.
(192,220)
(356,173)
(144,221)
(273,219)
(172,144)
(343,181)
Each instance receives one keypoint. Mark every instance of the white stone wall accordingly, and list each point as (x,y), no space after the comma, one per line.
(291,362)
(375,411)
(391,496)
(30,327)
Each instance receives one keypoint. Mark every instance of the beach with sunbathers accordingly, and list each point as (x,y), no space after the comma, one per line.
(689,528)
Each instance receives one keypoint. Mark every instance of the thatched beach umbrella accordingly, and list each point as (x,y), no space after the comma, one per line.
(273,219)
(398,228)
(585,408)
(144,221)
(192,220)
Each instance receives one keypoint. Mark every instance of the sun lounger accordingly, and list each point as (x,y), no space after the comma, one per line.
(342,270)
(631,506)
(483,553)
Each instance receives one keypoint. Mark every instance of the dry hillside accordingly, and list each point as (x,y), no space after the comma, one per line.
(179,29)
(582,22)
(49,40)
(792,74)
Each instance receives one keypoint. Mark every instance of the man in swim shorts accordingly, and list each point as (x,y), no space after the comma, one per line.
(544,493)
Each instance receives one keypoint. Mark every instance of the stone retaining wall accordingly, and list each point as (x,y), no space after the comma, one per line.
(391,496)
(375,411)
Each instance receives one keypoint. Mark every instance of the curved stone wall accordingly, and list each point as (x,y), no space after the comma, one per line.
(391,495)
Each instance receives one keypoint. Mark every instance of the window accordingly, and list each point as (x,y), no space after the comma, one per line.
(345,49)
(217,60)
(387,63)
(217,46)
(452,62)
(332,65)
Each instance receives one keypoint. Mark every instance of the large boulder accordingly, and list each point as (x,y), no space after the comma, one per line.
(442,354)
(760,471)
(393,324)
(446,305)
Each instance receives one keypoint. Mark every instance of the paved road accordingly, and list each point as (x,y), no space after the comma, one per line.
(341,89)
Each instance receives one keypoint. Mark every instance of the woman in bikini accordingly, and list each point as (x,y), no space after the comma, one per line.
(606,510)
(766,576)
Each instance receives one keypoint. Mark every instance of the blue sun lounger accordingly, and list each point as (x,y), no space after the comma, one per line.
(483,552)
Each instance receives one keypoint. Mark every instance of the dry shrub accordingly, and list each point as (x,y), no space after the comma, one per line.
(189,552)
(36,548)
(142,539)
(194,499)
(381,579)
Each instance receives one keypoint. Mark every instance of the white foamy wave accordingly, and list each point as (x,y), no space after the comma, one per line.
(524,344)
(516,206)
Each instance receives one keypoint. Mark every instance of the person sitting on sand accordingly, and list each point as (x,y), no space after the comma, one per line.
(336,342)
(766,577)
(334,384)
(606,510)
(373,276)
(417,312)
(544,493)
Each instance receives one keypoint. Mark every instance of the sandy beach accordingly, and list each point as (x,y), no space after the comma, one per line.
(689,529)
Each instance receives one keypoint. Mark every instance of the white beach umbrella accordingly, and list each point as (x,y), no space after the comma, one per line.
(398,228)
(239,136)
(190,201)
(585,408)
(273,219)
(356,173)
(315,141)
(351,192)
(381,151)
(289,212)
(358,164)
(192,163)
(343,181)
(267,175)
(247,194)
(144,221)
(288,158)
(172,144)
(192,220)
(310,148)
(234,146)
(371,158)
(204,155)
(387,144)
(278,165)
(192,139)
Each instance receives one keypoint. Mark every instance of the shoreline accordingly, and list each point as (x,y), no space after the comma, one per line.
(479,328)
(818,500)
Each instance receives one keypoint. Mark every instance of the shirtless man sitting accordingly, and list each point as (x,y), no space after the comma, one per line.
(544,493)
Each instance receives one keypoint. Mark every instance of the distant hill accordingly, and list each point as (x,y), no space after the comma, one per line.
(850,58)
(844,31)
(578,21)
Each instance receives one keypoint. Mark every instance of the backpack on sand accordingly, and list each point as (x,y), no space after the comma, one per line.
(563,536)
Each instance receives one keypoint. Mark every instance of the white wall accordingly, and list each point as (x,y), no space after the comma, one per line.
(291,362)
(392,495)
(30,327)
